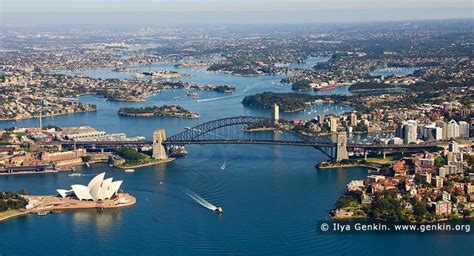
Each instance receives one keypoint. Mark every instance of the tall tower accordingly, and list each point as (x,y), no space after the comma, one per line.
(333,123)
(159,151)
(41,120)
(341,148)
(276,113)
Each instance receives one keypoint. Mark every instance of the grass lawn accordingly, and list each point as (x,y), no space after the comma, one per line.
(7,213)
(380,160)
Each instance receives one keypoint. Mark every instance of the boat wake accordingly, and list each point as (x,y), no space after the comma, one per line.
(201,201)
(217,98)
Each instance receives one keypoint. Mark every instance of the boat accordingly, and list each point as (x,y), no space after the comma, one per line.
(43,213)
(326,87)
(74,175)
(223,166)
(129,170)
(219,210)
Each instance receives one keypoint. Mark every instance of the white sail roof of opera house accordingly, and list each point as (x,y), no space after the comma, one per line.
(97,189)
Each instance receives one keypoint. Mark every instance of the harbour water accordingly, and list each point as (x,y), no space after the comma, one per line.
(272,196)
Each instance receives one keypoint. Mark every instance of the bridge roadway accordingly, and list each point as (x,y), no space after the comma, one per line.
(205,133)
(255,142)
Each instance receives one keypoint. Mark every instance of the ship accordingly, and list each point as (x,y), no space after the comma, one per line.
(219,210)
(328,87)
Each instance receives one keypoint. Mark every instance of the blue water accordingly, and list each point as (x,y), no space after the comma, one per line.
(272,196)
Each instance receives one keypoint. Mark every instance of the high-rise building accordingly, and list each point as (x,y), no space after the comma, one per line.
(399,130)
(464,112)
(463,129)
(321,119)
(453,147)
(276,113)
(452,131)
(410,131)
(333,123)
(431,132)
(447,106)
(353,119)
(437,181)
(444,129)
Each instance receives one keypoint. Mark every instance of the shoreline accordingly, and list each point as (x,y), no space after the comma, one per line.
(410,222)
(50,203)
(12,214)
(146,165)
(153,115)
(263,129)
(346,166)
(36,117)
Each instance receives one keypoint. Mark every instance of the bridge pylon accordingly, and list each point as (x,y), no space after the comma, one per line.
(276,113)
(159,151)
(341,147)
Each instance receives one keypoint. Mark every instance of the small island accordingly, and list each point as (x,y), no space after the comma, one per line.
(288,102)
(171,111)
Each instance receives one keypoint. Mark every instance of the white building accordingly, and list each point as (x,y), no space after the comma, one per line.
(410,131)
(463,129)
(333,123)
(98,189)
(452,130)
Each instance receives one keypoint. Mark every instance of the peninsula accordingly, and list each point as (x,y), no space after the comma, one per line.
(288,102)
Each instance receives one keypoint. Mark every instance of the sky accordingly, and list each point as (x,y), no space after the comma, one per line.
(47,12)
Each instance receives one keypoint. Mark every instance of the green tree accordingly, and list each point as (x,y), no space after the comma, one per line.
(439,161)
(22,192)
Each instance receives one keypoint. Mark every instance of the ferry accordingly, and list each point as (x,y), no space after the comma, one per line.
(219,210)
(74,175)
(129,170)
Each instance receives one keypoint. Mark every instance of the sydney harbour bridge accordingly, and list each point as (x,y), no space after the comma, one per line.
(258,131)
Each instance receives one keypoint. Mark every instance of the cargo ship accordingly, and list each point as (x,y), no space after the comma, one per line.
(328,87)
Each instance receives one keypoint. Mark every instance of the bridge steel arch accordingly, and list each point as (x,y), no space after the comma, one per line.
(191,135)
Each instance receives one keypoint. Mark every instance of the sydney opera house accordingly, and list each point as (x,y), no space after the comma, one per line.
(98,189)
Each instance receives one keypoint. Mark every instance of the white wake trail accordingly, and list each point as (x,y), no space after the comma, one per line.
(201,201)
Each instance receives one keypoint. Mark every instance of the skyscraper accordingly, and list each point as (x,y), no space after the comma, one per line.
(276,113)
(333,123)
(410,132)
(452,130)
(407,131)
(463,129)
(353,119)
